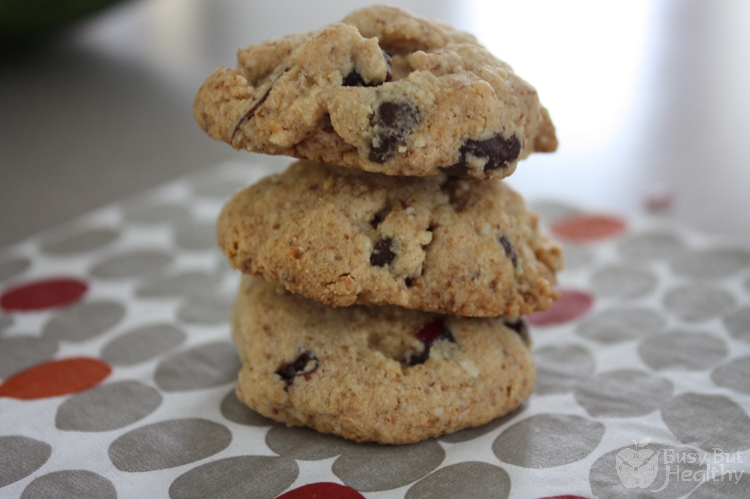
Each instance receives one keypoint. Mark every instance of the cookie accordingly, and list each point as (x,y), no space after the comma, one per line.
(383,91)
(382,374)
(343,236)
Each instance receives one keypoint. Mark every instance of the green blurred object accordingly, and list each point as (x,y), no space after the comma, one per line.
(29,20)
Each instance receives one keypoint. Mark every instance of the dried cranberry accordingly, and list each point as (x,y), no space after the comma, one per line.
(299,367)
(428,333)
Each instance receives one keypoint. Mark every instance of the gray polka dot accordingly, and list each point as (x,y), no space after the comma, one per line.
(698,302)
(708,421)
(652,246)
(5,321)
(682,350)
(577,256)
(168,444)
(142,344)
(479,431)
(734,375)
(552,211)
(157,214)
(131,264)
(206,310)
(73,484)
(623,282)
(548,440)
(373,467)
(738,324)
(560,368)
(204,366)
(731,487)
(20,457)
(21,352)
(259,477)
(83,321)
(623,394)
(467,480)
(185,283)
(13,267)
(304,444)
(712,264)
(80,242)
(196,236)
(219,189)
(107,407)
(237,412)
(616,325)
(610,473)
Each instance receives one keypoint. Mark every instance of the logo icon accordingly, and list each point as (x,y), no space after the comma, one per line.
(637,467)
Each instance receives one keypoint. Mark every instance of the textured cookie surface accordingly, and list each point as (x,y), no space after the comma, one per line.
(383,91)
(382,374)
(343,236)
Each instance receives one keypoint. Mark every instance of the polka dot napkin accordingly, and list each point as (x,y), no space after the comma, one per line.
(117,370)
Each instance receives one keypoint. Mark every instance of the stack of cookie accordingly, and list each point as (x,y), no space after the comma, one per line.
(386,274)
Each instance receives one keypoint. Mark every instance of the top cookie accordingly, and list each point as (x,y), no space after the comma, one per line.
(383,91)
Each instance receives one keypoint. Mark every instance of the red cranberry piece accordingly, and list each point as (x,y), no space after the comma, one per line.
(304,365)
(428,333)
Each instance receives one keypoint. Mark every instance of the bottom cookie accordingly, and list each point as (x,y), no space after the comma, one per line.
(368,373)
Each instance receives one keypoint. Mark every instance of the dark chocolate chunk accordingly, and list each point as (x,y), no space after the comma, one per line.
(428,333)
(379,217)
(354,79)
(409,282)
(304,365)
(510,251)
(496,151)
(519,326)
(382,253)
(393,122)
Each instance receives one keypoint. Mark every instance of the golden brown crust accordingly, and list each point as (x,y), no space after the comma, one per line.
(355,380)
(343,237)
(383,91)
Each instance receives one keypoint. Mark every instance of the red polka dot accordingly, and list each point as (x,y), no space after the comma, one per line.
(588,227)
(40,295)
(322,490)
(55,378)
(571,305)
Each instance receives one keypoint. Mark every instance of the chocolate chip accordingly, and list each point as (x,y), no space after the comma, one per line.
(428,333)
(409,282)
(496,151)
(510,251)
(378,218)
(519,326)
(304,365)
(382,253)
(393,122)
(354,79)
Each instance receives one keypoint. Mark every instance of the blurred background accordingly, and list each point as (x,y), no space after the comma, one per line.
(651,99)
